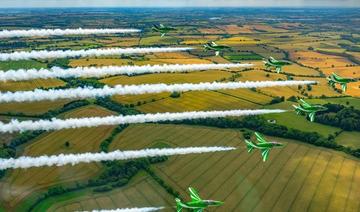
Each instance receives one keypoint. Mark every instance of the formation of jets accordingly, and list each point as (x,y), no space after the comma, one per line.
(212,46)
(162,29)
(196,204)
(336,79)
(277,64)
(308,109)
(263,145)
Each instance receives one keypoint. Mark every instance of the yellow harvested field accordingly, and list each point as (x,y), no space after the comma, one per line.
(181,61)
(30,85)
(197,40)
(319,60)
(141,192)
(21,183)
(168,78)
(296,177)
(197,100)
(322,88)
(211,31)
(248,95)
(299,70)
(32,108)
(353,89)
(351,72)
(267,28)
(98,62)
(235,29)
(237,40)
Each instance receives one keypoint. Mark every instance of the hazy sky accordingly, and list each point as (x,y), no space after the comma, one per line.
(179,3)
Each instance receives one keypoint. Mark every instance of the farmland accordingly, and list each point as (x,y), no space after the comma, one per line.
(21,184)
(297,177)
(289,181)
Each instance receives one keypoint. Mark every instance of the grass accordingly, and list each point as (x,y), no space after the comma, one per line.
(294,178)
(140,192)
(21,64)
(21,183)
(349,139)
(291,120)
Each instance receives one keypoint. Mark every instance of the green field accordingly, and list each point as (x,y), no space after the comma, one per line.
(21,64)
(290,181)
(349,139)
(141,192)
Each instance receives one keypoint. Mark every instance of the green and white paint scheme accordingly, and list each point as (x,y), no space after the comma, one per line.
(162,29)
(336,79)
(308,109)
(263,145)
(212,46)
(277,64)
(196,204)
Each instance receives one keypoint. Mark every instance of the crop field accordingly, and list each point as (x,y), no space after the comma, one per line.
(236,29)
(319,60)
(168,78)
(351,72)
(142,192)
(300,70)
(197,100)
(23,183)
(297,175)
(31,108)
(30,85)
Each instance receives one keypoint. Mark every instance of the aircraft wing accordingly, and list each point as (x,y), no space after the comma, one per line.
(194,195)
(336,77)
(304,104)
(198,210)
(213,43)
(271,59)
(260,138)
(162,25)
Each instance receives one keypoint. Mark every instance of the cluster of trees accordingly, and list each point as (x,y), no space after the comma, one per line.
(104,145)
(118,173)
(61,62)
(67,107)
(346,118)
(106,102)
(175,94)
(6,152)
(162,183)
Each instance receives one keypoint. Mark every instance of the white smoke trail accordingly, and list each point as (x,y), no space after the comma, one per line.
(146,209)
(44,54)
(73,159)
(51,32)
(56,72)
(89,92)
(72,123)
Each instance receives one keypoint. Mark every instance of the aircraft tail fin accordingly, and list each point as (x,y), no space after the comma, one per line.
(178,205)
(297,109)
(217,53)
(162,34)
(343,87)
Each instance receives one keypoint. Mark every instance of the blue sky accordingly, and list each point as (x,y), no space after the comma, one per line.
(179,3)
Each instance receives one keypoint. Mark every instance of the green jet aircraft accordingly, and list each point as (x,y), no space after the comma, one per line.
(277,64)
(215,47)
(162,29)
(336,79)
(308,109)
(196,204)
(262,145)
